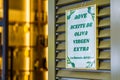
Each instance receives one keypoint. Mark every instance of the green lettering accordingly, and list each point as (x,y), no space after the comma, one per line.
(86,32)
(72,27)
(78,41)
(81,49)
(85,15)
(80,33)
(89,24)
(79,16)
(83,25)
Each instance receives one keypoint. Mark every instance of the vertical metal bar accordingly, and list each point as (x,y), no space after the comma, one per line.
(11,63)
(51,39)
(0,23)
(115,39)
(5,40)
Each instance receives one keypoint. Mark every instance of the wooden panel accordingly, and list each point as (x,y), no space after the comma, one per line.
(61,37)
(105,44)
(61,47)
(84,75)
(104,33)
(103,65)
(61,55)
(98,2)
(64,2)
(104,23)
(61,20)
(61,29)
(104,55)
(104,12)
(60,65)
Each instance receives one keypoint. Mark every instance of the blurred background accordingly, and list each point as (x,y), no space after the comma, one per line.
(27,39)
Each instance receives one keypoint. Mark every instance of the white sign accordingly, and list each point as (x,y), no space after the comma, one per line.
(81,50)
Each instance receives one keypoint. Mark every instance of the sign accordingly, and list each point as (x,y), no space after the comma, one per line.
(81,42)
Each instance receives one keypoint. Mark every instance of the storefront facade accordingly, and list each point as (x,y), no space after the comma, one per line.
(108,42)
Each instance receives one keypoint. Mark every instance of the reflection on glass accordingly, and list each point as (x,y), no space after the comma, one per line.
(1,9)
(28,39)
(1,16)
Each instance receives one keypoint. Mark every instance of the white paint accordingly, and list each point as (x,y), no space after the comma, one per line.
(81,63)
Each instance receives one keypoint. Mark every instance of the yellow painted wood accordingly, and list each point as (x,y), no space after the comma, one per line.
(97,41)
(104,44)
(104,23)
(104,12)
(104,55)
(64,2)
(105,65)
(60,65)
(98,2)
(61,55)
(61,47)
(61,29)
(61,19)
(61,37)
(104,33)
(89,75)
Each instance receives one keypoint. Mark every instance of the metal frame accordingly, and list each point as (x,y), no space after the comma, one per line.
(1,23)
(51,40)
(115,40)
(5,40)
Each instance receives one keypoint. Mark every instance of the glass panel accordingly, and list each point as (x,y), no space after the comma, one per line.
(28,36)
(1,9)
(28,39)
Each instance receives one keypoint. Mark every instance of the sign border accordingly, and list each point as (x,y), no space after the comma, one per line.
(96,39)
